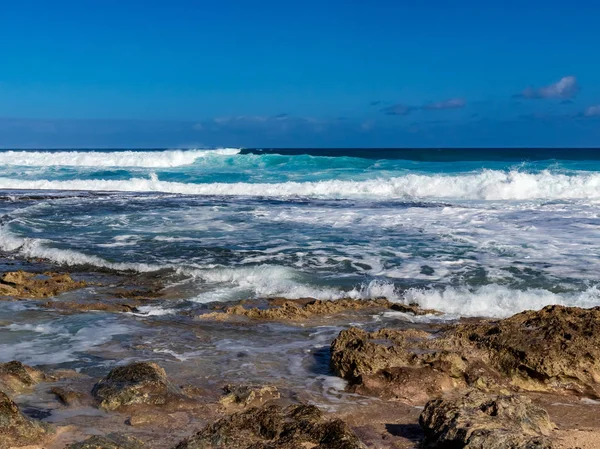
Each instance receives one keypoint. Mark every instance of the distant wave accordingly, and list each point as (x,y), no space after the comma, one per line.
(484,185)
(147,159)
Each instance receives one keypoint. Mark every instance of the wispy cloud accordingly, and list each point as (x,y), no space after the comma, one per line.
(452,103)
(592,111)
(398,109)
(566,87)
(402,109)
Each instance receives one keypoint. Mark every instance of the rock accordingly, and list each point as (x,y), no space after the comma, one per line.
(556,348)
(67,397)
(16,377)
(301,309)
(24,285)
(141,383)
(399,364)
(16,429)
(270,426)
(477,420)
(95,305)
(111,441)
(245,395)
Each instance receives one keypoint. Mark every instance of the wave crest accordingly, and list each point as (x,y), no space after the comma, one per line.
(485,185)
(147,159)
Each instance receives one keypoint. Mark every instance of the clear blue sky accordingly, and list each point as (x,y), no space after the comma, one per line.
(134,73)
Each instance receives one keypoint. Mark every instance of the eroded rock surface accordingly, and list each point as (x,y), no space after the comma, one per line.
(273,427)
(24,285)
(303,309)
(112,441)
(16,376)
(477,420)
(141,383)
(556,349)
(245,395)
(17,430)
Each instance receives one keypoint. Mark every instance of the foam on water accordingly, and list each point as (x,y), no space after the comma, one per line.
(148,159)
(486,185)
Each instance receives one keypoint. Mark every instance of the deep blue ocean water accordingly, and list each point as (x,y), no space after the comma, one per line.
(466,231)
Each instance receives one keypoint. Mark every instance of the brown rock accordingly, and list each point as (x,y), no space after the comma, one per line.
(297,310)
(477,420)
(15,376)
(245,395)
(141,383)
(67,397)
(16,429)
(296,427)
(556,348)
(81,306)
(112,441)
(22,285)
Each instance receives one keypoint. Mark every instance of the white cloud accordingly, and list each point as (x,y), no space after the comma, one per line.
(592,111)
(566,87)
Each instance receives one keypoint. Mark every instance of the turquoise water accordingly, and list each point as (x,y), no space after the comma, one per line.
(469,232)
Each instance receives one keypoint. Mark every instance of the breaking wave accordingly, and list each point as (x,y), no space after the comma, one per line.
(147,159)
(484,185)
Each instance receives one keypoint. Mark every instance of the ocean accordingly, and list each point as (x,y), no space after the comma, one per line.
(473,232)
(470,233)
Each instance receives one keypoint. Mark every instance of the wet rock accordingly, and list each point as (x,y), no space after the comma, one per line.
(67,397)
(295,427)
(556,348)
(112,441)
(94,305)
(141,383)
(245,395)
(477,420)
(24,285)
(280,309)
(15,376)
(16,429)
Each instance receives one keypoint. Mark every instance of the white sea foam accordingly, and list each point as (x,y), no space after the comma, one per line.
(496,300)
(148,159)
(484,185)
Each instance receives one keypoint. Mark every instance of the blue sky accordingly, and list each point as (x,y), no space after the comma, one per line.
(130,73)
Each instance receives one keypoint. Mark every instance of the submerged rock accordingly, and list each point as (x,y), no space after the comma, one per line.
(66,396)
(245,395)
(556,348)
(16,429)
(111,441)
(141,383)
(24,285)
(273,427)
(478,420)
(16,376)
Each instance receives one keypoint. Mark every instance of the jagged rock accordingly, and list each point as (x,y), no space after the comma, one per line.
(87,305)
(399,364)
(556,348)
(247,394)
(24,285)
(16,429)
(135,384)
(273,427)
(478,420)
(67,397)
(15,376)
(111,441)
(301,309)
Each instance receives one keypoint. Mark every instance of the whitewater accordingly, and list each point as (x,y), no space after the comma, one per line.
(466,235)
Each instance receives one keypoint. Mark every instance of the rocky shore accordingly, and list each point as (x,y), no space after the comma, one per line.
(528,381)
